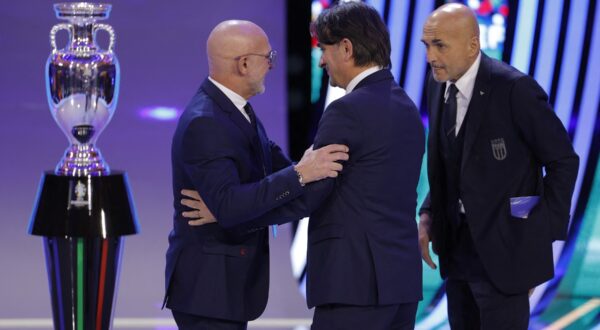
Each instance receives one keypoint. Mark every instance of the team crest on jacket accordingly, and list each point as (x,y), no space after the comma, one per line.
(498,148)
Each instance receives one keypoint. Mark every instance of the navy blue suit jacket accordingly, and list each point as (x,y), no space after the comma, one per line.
(508,112)
(362,236)
(212,270)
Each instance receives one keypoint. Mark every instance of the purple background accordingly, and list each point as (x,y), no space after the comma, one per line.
(161,49)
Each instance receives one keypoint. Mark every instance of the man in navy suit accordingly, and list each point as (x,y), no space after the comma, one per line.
(217,278)
(492,132)
(364,266)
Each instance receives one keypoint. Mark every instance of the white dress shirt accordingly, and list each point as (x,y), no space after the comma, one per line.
(359,77)
(465,85)
(235,98)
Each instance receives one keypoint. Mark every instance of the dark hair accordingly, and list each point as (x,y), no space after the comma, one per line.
(362,25)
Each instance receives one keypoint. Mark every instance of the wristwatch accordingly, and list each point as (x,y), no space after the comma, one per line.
(300,178)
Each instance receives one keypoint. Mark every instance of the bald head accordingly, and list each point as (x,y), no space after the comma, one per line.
(229,48)
(233,38)
(451,36)
(456,18)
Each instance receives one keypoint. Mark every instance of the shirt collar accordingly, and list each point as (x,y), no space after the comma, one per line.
(234,97)
(359,77)
(466,83)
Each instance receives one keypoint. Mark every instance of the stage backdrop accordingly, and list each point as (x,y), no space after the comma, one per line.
(161,49)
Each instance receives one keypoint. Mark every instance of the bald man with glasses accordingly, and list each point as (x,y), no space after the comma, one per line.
(217,276)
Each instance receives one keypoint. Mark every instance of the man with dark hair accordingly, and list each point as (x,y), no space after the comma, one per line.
(492,215)
(363,267)
(362,27)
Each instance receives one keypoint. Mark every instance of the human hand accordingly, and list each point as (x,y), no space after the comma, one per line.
(322,163)
(424,239)
(200,214)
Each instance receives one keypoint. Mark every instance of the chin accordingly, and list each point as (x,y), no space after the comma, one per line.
(443,77)
(259,90)
(440,79)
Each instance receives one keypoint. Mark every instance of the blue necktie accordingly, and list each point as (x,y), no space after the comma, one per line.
(252,116)
(250,113)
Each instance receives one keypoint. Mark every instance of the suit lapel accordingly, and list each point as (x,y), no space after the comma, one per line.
(477,106)
(234,113)
(435,91)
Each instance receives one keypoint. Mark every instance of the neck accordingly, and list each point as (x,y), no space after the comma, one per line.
(232,84)
(355,71)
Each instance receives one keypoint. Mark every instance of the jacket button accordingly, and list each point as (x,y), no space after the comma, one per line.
(243,251)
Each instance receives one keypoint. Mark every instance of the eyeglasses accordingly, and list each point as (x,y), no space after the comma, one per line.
(271,56)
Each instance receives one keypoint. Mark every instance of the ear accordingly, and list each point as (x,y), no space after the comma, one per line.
(474,46)
(242,65)
(347,49)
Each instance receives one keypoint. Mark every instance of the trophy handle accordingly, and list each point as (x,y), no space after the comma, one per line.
(110,31)
(53,32)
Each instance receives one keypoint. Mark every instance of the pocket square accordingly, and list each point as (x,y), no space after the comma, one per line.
(521,206)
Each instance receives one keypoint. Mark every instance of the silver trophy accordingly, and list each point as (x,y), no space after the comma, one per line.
(82,85)
(83,209)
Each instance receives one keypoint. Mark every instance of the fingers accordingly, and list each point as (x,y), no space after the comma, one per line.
(333,152)
(201,222)
(424,245)
(333,171)
(335,167)
(427,257)
(341,156)
(191,194)
(322,163)
(331,148)
(332,174)
(198,213)
(193,204)
(191,214)
(334,156)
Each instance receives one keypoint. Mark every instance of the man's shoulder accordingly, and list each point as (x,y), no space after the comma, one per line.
(370,102)
(201,105)
(502,72)
(504,78)
(200,109)
(384,93)
(368,93)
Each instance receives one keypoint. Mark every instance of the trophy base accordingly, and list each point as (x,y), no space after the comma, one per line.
(82,160)
(90,206)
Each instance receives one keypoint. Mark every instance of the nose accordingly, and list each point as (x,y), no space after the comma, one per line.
(429,56)
(321,62)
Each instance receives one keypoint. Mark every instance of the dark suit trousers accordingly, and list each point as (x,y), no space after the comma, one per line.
(479,305)
(348,317)
(473,301)
(194,322)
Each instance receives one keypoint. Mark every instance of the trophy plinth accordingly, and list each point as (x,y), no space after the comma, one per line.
(82,209)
